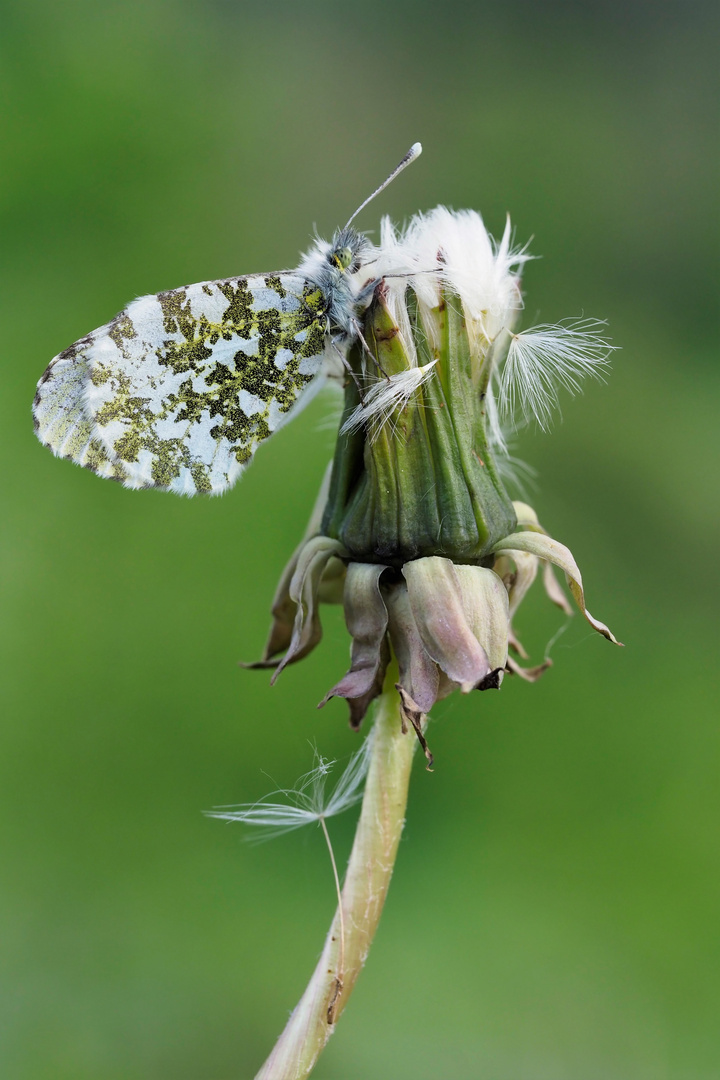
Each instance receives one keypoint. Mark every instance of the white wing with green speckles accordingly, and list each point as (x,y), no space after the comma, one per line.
(180,388)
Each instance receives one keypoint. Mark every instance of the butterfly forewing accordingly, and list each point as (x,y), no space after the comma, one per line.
(61,418)
(180,388)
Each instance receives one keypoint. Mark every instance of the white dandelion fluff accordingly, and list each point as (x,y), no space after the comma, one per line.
(308,801)
(385,396)
(304,804)
(453,250)
(545,358)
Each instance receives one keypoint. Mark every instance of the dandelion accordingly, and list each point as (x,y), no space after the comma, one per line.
(415,534)
(415,528)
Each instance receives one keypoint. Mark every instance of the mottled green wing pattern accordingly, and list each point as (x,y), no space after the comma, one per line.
(180,388)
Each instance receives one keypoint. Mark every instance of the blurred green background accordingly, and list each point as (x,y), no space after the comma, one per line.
(554,914)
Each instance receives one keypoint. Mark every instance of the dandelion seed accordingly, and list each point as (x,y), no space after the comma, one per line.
(385,397)
(307,802)
(543,359)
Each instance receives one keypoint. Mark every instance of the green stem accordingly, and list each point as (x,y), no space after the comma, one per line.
(366,883)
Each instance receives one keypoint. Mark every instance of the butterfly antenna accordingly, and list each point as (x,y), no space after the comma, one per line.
(414,152)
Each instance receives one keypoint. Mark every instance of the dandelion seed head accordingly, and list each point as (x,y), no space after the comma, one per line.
(452,249)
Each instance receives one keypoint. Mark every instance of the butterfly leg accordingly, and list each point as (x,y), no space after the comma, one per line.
(349,370)
(368,350)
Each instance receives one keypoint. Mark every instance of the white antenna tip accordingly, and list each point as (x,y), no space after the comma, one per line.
(414,151)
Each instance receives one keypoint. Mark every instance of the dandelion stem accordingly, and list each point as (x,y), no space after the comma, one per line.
(361,901)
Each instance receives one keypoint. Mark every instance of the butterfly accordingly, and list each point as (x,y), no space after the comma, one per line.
(179,389)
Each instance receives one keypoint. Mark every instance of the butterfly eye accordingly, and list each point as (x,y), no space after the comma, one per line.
(343,257)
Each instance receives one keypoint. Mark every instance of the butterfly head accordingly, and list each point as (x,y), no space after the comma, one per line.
(347,250)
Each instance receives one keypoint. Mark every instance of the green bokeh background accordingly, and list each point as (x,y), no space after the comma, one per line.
(554,914)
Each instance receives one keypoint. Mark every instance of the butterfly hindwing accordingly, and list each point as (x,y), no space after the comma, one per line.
(180,388)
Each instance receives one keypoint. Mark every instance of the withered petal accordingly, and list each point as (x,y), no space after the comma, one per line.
(553,590)
(547,548)
(283,612)
(367,619)
(284,608)
(411,712)
(526,568)
(332,583)
(517,645)
(307,629)
(359,706)
(485,601)
(437,606)
(419,675)
(526,517)
(528,674)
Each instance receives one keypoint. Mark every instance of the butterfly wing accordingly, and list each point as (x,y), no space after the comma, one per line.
(180,388)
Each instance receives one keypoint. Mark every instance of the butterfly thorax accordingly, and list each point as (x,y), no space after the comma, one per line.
(332,268)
